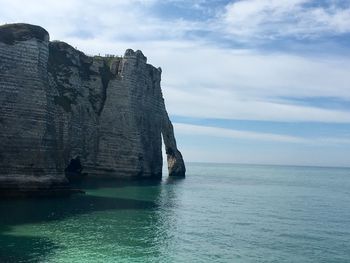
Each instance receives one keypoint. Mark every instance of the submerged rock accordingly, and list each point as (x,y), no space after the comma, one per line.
(58,104)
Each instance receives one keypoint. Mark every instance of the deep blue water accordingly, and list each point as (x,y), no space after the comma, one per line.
(219,213)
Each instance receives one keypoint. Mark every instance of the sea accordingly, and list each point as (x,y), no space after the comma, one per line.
(218,213)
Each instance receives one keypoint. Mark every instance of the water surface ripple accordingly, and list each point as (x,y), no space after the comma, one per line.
(219,213)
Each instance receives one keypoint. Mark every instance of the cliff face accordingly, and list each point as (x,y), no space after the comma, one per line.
(64,114)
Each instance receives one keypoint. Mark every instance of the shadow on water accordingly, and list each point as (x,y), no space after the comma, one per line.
(24,248)
(96,183)
(20,212)
(102,195)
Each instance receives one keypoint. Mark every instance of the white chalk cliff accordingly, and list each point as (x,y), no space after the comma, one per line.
(63,113)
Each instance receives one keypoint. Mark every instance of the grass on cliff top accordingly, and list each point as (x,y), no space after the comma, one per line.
(108,59)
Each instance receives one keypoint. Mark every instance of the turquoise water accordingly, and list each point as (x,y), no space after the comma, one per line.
(219,213)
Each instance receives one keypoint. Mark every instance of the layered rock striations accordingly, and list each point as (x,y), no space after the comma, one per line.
(65,114)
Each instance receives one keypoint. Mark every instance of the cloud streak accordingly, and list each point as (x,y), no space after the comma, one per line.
(244,84)
(196,130)
(210,104)
(199,130)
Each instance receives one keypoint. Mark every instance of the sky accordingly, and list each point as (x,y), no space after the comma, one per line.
(244,81)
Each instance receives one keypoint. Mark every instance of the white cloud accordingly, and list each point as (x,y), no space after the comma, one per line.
(211,104)
(275,18)
(208,82)
(108,20)
(200,130)
(196,130)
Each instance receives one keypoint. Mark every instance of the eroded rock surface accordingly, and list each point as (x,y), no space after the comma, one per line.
(59,105)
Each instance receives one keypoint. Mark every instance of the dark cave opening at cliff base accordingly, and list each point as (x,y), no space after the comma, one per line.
(74,170)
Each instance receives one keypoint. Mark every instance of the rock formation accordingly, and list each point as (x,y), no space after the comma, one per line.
(65,113)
